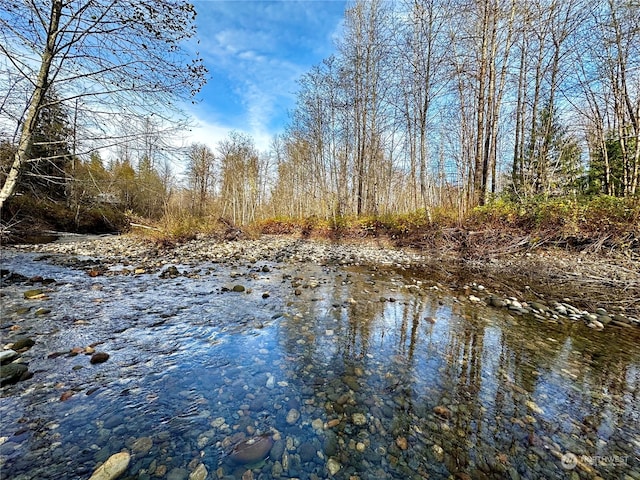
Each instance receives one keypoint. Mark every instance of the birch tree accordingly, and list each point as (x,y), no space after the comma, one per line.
(117,59)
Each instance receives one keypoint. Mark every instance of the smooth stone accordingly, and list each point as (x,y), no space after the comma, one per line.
(442,411)
(177,474)
(42,311)
(496,302)
(142,445)
(99,357)
(252,449)
(330,445)
(333,466)
(238,288)
(538,306)
(12,373)
(561,309)
(307,452)
(34,293)
(293,416)
(276,470)
(200,473)
(114,467)
(605,319)
(23,342)
(7,355)
(277,450)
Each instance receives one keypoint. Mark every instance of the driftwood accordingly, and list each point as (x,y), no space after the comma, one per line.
(147,227)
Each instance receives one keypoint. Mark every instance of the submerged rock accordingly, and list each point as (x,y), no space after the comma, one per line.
(99,357)
(333,466)
(200,473)
(114,467)
(292,416)
(252,449)
(13,373)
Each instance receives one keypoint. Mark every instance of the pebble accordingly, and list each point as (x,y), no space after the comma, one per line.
(333,466)
(200,473)
(292,416)
(359,419)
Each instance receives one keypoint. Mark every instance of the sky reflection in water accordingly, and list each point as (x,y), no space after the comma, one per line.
(403,381)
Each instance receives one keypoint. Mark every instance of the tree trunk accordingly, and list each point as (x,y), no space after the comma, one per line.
(42,85)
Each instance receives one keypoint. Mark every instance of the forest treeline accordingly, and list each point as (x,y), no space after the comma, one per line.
(427,106)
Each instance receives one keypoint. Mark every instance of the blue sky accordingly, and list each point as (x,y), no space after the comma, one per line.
(256,51)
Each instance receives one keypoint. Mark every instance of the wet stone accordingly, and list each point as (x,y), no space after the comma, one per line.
(292,416)
(99,357)
(7,355)
(23,342)
(12,373)
(34,294)
(307,452)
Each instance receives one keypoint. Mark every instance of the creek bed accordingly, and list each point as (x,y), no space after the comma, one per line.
(351,372)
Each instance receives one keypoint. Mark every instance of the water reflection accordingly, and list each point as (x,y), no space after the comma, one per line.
(352,373)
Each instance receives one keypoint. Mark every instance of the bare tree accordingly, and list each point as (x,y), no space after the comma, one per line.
(121,59)
(200,175)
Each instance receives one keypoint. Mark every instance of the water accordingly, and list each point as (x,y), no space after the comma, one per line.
(369,374)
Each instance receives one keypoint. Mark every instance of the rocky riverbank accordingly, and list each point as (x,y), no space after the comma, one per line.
(550,285)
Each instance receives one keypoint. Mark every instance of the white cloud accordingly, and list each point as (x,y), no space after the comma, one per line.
(211,133)
(256,51)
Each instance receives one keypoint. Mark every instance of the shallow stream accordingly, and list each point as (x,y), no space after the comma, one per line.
(351,373)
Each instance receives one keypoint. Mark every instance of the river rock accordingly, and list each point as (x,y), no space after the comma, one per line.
(114,467)
(34,294)
(359,419)
(238,288)
(142,445)
(307,452)
(23,342)
(99,357)
(333,466)
(560,309)
(252,449)
(496,302)
(7,355)
(171,272)
(402,443)
(292,416)
(538,306)
(13,372)
(200,473)
(177,474)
